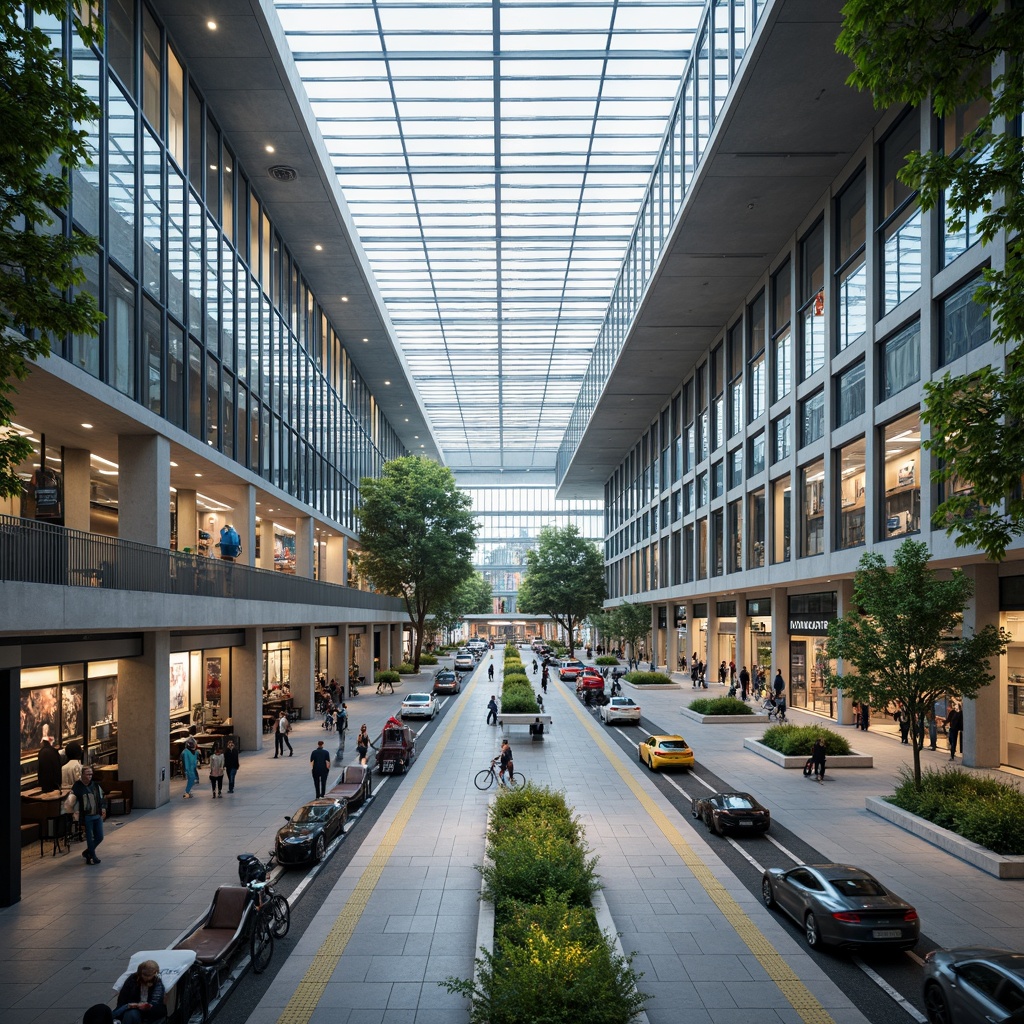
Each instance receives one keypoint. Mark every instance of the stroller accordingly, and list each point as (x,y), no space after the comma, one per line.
(775,708)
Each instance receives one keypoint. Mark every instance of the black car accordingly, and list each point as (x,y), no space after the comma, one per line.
(446,681)
(731,812)
(974,985)
(310,830)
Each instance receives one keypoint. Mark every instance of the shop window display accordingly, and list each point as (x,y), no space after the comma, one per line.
(852,483)
(812,514)
(902,474)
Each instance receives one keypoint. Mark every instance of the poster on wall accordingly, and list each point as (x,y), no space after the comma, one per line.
(72,712)
(38,717)
(284,552)
(213,669)
(179,682)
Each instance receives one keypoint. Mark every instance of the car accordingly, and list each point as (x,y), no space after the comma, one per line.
(665,751)
(446,681)
(620,709)
(419,705)
(477,647)
(355,785)
(569,669)
(310,830)
(840,905)
(731,812)
(973,985)
(464,662)
(590,679)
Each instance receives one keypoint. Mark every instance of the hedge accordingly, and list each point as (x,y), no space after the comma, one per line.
(404,669)
(647,678)
(386,675)
(606,659)
(797,740)
(720,706)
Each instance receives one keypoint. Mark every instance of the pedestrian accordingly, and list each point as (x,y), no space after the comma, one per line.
(534,666)
(954,727)
(544,679)
(505,763)
(902,719)
(818,758)
(362,743)
(141,998)
(86,804)
(189,766)
(779,684)
(933,730)
(490,672)
(694,674)
(72,770)
(341,718)
(217,762)
(744,682)
(48,767)
(732,673)
(865,715)
(723,671)
(231,764)
(540,702)
(320,759)
(492,711)
(281,730)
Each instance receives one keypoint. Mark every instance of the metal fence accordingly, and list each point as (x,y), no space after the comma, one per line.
(32,552)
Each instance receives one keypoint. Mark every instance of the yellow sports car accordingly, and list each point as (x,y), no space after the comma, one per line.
(665,752)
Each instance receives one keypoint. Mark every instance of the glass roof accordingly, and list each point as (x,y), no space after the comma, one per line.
(494,156)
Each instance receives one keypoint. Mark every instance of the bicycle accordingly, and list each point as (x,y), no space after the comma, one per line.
(488,776)
(261,938)
(252,869)
(774,709)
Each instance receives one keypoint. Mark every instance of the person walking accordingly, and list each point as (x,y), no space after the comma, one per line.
(818,758)
(902,719)
(217,762)
(86,803)
(779,684)
(490,672)
(723,671)
(231,764)
(320,759)
(933,730)
(865,715)
(281,730)
(190,766)
(492,711)
(544,679)
(744,682)
(362,743)
(955,726)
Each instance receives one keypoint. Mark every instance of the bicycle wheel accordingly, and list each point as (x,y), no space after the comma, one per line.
(484,779)
(516,780)
(193,998)
(261,944)
(280,916)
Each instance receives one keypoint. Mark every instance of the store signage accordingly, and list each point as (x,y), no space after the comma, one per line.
(807,625)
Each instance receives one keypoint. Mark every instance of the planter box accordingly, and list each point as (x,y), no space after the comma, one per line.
(752,719)
(784,761)
(963,849)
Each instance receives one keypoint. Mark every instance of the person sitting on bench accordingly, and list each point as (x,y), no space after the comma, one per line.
(537,728)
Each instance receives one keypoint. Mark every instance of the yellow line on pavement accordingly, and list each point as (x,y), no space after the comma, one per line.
(796,992)
(307,994)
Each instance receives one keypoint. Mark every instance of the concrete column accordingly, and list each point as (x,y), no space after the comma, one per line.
(188,523)
(710,652)
(334,563)
(303,663)
(10,795)
(672,646)
(144,489)
(304,539)
(77,487)
(780,637)
(397,655)
(337,666)
(742,635)
(243,519)
(982,739)
(144,720)
(845,712)
(266,544)
(247,690)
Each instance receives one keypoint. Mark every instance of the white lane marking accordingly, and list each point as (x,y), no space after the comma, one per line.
(694,775)
(789,853)
(891,992)
(743,853)
(672,782)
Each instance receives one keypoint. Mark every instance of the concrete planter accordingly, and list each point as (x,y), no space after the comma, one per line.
(963,849)
(831,763)
(753,719)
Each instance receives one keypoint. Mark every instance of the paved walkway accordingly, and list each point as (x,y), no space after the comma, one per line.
(403,915)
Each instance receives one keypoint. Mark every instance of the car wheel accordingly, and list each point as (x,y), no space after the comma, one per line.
(811,933)
(709,820)
(318,850)
(935,1004)
(767,896)
(694,811)
(640,755)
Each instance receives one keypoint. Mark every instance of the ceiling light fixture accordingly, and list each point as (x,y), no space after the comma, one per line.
(88,426)
(269,148)
(319,248)
(174,464)
(212,25)
(344,298)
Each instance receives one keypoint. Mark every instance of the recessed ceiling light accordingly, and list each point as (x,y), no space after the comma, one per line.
(423,446)
(213,167)
(319,248)
(416,437)
(366,339)
(387,383)
(212,25)
(174,464)
(88,426)
(344,298)
(269,148)
(197,474)
(406,419)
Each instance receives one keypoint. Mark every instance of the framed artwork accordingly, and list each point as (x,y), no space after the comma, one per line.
(38,717)
(179,682)
(72,712)
(213,689)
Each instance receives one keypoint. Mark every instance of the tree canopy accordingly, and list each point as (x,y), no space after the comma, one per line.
(417,536)
(564,579)
(905,644)
(631,623)
(42,112)
(473,597)
(953,53)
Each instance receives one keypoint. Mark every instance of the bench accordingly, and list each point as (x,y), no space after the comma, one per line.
(507,721)
(214,940)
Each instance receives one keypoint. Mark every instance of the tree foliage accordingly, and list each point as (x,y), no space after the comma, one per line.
(473,597)
(904,643)
(417,536)
(42,112)
(953,52)
(564,579)
(631,623)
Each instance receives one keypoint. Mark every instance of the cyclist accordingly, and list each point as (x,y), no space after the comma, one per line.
(505,762)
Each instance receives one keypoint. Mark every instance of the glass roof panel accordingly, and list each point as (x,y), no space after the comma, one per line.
(493,155)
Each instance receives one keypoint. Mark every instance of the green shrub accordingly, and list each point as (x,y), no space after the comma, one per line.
(511,651)
(647,678)
(720,706)
(513,665)
(797,740)
(404,669)
(983,810)
(428,659)
(606,659)
(387,675)
(513,805)
(517,675)
(518,700)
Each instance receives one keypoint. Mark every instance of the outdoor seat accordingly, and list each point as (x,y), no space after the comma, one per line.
(214,940)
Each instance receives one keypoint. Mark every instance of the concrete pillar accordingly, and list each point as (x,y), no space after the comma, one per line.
(266,528)
(710,652)
(188,524)
(334,563)
(780,637)
(845,711)
(144,720)
(247,690)
(303,663)
(304,539)
(982,739)
(397,654)
(144,489)
(337,665)
(77,488)
(672,645)
(243,519)
(10,796)
(742,635)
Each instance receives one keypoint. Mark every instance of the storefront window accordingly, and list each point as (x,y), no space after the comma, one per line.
(852,481)
(781,501)
(734,535)
(277,662)
(755,530)
(812,513)
(902,472)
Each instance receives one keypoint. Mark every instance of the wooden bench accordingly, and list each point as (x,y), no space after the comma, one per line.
(507,721)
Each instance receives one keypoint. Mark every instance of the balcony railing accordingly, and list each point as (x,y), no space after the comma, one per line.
(32,552)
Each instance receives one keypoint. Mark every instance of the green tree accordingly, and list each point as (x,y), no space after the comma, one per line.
(904,643)
(416,535)
(951,53)
(42,141)
(632,624)
(473,597)
(564,579)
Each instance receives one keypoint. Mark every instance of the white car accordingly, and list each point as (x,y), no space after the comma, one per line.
(419,705)
(620,709)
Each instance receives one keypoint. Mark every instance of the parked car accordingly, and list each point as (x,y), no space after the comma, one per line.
(665,751)
(840,905)
(310,830)
(446,681)
(731,812)
(569,669)
(464,662)
(590,681)
(419,705)
(620,709)
(973,985)
(354,785)
(477,647)
(396,748)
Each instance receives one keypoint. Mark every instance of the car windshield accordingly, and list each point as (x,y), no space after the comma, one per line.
(856,887)
(673,745)
(623,702)
(311,813)
(417,698)
(735,802)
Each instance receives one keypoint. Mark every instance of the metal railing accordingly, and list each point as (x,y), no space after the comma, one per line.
(32,552)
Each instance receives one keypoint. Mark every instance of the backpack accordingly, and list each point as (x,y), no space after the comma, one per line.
(808,767)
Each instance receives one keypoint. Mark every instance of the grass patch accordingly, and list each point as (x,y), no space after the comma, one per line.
(797,740)
(720,706)
(647,678)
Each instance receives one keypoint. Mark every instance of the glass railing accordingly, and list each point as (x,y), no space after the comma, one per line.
(721,42)
(32,552)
